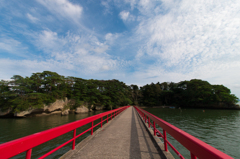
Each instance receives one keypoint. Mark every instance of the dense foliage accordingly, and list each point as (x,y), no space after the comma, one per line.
(43,88)
(193,93)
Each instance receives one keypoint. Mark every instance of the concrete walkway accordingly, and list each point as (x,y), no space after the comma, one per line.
(124,137)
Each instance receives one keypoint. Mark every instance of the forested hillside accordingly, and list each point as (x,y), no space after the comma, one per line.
(22,93)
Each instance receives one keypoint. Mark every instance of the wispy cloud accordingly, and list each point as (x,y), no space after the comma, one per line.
(126,16)
(187,37)
(76,51)
(63,8)
(32,18)
(11,46)
(106,4)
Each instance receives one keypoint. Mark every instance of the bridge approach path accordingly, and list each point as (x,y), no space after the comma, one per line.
(124,137)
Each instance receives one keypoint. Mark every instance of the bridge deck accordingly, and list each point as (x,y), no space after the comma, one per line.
(123,137)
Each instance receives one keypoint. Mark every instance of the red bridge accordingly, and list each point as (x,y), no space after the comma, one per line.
(126,132)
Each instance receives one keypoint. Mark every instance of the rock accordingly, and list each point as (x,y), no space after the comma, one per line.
(81,109)
(65,112)
(27,112)
(90,110)
(54,108)
(58,105)
(98,107)
(56,112)
(6,112)
(22,113)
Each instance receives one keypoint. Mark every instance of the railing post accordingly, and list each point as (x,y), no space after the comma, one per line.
(28,154)
(107,118)
(114,114)
(149,122)
(165,140)
(111,116)
(73,143)
(193,156)
(92,129)
(154,128)
(101,122)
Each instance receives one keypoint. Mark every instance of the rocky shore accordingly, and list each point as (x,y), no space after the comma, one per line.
(60,106)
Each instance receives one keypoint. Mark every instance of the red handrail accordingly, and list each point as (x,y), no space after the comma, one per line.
(196,147)
(15,147)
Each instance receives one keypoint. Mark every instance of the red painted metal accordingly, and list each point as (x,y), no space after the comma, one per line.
(159,134)
(92,128)
(28,154)
(15,147)
(165,140)
(74,135)
(154,128)
(197,147)
(193,156)
(175,150)
(149,122)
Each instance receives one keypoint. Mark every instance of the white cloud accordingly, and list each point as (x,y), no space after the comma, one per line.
(131,2)
(187,39)
(74,51)
(63,8)
(12,46)
(110,38)
(107,6)
(32,18)
(105,67)
(49,41)
(124,15)
(192,35)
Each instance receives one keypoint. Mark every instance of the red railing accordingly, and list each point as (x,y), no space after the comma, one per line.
(15,147)
(197,148)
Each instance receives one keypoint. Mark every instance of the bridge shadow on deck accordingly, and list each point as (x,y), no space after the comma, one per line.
(140,135)
(134,142)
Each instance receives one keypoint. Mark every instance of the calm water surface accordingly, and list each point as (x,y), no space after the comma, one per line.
(218,128)
(14,128)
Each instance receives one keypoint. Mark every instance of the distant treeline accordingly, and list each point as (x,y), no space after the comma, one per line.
(44,88)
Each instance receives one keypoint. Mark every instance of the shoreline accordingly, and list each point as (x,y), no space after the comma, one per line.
(192,107)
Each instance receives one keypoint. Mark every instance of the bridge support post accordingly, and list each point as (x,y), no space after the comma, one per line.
(111,116)
(28,154)
(149,122)
(107,118)
(165,140)
(92,129)
(154,128)
(101,122)
(193,156)
(73,143)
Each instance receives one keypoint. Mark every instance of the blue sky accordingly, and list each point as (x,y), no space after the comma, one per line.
(134,41)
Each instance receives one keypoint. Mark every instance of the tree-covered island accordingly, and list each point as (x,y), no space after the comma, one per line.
(41,89)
